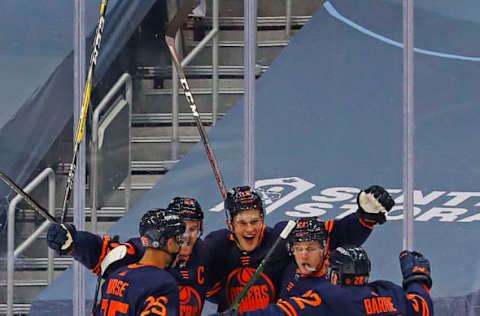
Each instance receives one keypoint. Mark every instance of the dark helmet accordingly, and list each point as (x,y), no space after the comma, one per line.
(158,225)
(308,229)
(350,262)
(242,199)
(188,208)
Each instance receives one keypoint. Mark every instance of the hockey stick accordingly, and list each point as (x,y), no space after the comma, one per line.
(283,235)
(185,8)
(86,101)
(40,210)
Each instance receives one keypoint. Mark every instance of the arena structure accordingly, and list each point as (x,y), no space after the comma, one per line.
(329,122)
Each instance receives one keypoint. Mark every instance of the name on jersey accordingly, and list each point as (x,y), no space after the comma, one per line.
(117,287)
(378,305)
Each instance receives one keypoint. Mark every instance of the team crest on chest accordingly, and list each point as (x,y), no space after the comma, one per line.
(259,295)
(190,301)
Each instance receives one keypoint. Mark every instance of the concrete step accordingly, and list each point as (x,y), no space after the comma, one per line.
(109,201)
(39,264)
(18,309)
(159,148)
(231,52)
(155,167)
(263,22)
(103,214)
(162,131)
(25,294)
(137,189)
(22,278)
(29,226)
(25,291)
(26,283)
(153,72)
(237,35)
(267,7)
(143,180)
(159,101)
(39,248)
(185,119)
(206,83)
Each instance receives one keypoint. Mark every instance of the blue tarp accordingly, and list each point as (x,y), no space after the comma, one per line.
(36,80)
(329,122)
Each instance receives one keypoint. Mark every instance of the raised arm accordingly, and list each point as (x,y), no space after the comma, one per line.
(90,249)
(417,282)
(354,229)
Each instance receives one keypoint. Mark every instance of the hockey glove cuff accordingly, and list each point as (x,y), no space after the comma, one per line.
(415,268)
(373,204)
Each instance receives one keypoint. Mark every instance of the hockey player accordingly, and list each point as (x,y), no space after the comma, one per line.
(192,267)
(349,293)
(145,288)
(189,269)
(247,241)
(308,245)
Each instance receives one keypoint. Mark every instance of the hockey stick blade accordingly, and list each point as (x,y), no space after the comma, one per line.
(85,103)
(283,235)
(40,210)
(172,29)
(185,8)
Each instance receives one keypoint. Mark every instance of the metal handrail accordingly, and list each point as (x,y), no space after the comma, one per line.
(212,35)
(288,18)
(124,80)
(11,253)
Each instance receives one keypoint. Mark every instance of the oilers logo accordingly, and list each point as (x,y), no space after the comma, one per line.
(259,295)
(190,301)
(277,192)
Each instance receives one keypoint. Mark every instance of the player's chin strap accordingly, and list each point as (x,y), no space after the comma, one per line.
(113,256)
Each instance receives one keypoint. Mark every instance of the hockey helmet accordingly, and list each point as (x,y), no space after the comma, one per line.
(159,225)
(241,199)
(188,208)
(308,229)
(350,264)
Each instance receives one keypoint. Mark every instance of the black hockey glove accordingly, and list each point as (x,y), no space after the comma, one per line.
(415,268)
(61,237)
(373,204)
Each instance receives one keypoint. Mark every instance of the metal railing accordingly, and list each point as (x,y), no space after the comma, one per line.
(288,18)
(97,134)
(11,253)
(212,35)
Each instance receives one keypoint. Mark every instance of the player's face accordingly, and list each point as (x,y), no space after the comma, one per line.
(173,247)
(247,226)
(309,256)
(192,231)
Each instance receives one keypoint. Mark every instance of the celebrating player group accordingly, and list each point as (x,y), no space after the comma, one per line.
(248,268)
(319,269)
